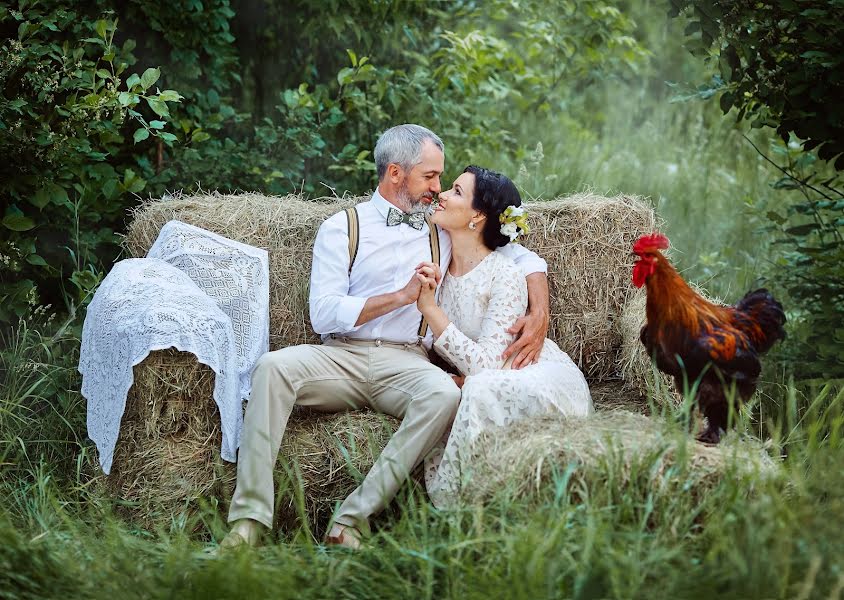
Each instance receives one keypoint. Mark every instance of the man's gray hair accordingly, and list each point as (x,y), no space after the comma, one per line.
(402,145)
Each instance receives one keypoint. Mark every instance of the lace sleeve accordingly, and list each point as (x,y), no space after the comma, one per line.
(507,302)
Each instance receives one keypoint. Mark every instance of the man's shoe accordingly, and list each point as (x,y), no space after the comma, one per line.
(343,535)
(245,532)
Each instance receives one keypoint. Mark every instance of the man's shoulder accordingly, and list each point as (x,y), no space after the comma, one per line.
(340,218)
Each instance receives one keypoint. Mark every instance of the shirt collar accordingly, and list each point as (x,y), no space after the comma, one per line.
(381,203)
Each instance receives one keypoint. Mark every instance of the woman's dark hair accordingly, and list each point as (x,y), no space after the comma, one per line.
(494,192)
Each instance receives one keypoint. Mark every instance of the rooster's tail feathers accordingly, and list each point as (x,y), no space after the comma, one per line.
(762,310)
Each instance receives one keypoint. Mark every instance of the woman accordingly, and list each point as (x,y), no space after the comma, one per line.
(482,295)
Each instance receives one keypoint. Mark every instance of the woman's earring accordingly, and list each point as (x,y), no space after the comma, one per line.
(472,225)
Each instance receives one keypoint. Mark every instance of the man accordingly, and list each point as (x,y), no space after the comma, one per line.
(375,347)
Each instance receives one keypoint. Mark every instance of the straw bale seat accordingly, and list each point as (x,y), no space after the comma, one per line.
(167,459)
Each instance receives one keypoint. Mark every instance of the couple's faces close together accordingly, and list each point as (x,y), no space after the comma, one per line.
(421,184)
(417,187)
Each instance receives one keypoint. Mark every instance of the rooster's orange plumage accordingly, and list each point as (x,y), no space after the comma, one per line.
(694,340)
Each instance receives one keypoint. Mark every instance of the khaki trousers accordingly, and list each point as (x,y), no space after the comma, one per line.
(339,375)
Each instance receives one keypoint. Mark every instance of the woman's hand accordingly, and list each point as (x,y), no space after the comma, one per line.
(430,269)
(427,274)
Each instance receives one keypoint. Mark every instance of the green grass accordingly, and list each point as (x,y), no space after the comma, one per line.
(588,537)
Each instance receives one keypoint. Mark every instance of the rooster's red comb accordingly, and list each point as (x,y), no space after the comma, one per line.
(650,242)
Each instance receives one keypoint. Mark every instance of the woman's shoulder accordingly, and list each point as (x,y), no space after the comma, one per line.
(502,263)
(504,273)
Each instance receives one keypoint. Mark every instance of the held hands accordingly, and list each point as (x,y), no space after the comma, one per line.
(429,276)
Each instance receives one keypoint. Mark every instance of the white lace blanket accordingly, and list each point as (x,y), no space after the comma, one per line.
(235,275)
(146,304)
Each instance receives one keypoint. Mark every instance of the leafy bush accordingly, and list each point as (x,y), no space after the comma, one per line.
(779,65)
(73,126)
(83,137)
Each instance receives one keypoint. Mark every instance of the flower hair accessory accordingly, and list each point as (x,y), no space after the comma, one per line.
(514,222)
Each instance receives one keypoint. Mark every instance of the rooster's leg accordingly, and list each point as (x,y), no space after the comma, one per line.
(716,415)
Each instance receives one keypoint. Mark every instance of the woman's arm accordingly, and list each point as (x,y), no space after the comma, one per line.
(507,302)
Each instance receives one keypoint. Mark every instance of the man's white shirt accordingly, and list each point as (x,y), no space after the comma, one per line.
(386,260)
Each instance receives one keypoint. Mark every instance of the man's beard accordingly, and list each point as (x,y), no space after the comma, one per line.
(413,205)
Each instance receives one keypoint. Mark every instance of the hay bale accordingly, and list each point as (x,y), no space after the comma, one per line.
(284,226)
(169,440)
(168,454)
(586,240)
(607,448)
(637,370)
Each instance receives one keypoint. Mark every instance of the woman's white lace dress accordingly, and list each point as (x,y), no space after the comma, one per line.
(482,305)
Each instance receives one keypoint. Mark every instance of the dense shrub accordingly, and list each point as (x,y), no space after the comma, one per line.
(779,64)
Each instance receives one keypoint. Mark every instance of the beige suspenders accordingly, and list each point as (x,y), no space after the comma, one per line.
(434,239)
(354,234)
(354,242)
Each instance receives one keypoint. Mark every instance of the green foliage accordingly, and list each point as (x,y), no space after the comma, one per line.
(779,63)
(85,137)
(73,124)
(811,233)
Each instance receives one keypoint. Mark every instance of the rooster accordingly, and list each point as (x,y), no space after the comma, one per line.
(694,340)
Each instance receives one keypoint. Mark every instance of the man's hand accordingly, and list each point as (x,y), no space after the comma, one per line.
(410,292)
(530,332)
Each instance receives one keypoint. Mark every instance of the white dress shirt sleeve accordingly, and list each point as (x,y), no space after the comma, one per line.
(527,261)
(333,310)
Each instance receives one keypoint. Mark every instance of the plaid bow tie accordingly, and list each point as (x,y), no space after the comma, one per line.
(397,217)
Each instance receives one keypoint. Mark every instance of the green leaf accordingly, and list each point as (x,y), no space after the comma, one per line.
(726,101)
(84,280)
(149,78)
(344,76)
(137,184)
(170,96)
(58,195)
(213,98)
(127,98)
(103,73)
(776,218)
(200,136)
(140,135)
(110,188)
(158,107)
(16,221)
(157,124)
(801,230)
(168,137)
(41,198)
(353,57)
(101,27)
(36,260)
(132,81)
